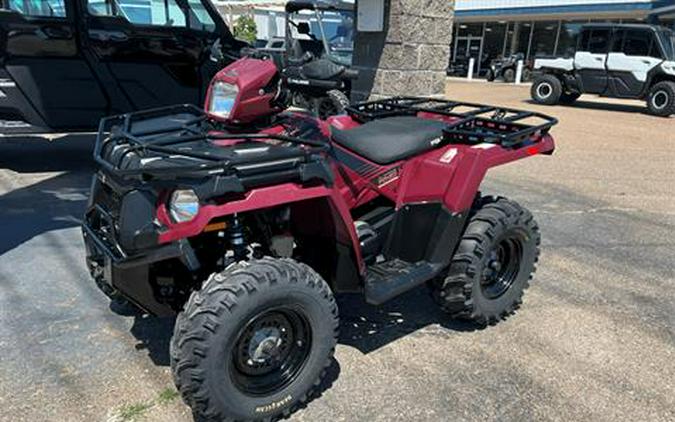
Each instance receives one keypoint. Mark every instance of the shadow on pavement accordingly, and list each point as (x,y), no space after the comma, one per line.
(53,203)
(592,105)
(368,328)
(362,326)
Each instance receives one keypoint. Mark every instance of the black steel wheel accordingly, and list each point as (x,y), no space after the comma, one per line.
(270,351)
(492,265)
(255,341)
(501,270)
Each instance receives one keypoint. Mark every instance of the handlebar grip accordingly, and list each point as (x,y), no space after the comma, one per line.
(351,74)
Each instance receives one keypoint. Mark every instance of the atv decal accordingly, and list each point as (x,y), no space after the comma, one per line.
(448,156)
(387,177)
(274,406)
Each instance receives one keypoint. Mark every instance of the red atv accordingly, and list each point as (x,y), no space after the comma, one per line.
(246,220)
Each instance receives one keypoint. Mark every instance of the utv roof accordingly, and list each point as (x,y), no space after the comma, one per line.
(296,6)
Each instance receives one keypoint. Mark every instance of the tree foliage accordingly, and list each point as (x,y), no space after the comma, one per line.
(245,29)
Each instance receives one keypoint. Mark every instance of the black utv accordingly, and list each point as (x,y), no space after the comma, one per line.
(65,64)
(317,59)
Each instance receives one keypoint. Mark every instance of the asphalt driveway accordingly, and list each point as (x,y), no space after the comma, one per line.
(595,339)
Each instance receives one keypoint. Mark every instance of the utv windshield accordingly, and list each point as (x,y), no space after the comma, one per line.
(338,31)
(331,30)
(668,40)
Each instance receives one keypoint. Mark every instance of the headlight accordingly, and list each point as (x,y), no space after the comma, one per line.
(223,96)
(184,205)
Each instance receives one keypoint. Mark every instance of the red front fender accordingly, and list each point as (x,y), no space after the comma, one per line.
(267,197)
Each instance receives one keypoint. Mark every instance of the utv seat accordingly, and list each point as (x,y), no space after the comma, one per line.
(322,69)
(388,140)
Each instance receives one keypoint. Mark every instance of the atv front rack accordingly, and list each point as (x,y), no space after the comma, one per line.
(469,123)
(180,141)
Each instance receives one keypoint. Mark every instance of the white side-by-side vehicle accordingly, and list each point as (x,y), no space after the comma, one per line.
(621,61)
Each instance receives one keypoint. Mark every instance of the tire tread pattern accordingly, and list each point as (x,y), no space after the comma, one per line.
(454,292)
(220,294)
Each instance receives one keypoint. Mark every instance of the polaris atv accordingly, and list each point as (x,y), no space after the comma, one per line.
(506,69)
(318,57)
(245,221)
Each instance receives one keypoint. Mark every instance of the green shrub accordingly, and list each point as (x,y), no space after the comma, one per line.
(245,29)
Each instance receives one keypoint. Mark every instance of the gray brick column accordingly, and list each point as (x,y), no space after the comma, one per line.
(410,56)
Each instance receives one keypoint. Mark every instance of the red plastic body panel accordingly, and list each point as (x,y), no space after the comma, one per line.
(252,76)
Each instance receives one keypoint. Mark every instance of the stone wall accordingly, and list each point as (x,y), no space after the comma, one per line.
(410,56)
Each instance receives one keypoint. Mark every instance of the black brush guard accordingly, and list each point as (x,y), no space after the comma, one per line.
(475,124)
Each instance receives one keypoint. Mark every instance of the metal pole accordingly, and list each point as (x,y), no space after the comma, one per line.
(519,72)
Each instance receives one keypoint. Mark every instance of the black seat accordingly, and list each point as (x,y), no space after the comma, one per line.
(387,140)
(322,69)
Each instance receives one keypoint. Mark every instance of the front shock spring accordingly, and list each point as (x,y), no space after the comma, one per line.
(237,239)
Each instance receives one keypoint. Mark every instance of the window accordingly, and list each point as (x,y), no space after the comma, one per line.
(567,40)
(470,30)
(142,12)
(595,41)
(495,34)
(639,43)
(543,38)
(522,31)
(635,42)
(617,43)
(38,8)
(199,17)
(277,44)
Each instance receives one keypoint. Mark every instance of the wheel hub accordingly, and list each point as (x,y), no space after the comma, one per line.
(544,90)
(270,351)
(265,345)
(502,267)
(660,100)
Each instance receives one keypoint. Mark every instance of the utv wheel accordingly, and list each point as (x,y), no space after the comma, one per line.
(335,102)
(568,98)
(527,75)
(546,89)
(661,99)
(255,341)
(493,263)
(509,75)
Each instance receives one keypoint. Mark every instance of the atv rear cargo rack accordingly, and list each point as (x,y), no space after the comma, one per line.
(178,141)
(472,124)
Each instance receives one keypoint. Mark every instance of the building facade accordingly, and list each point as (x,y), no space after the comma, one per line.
(487,29)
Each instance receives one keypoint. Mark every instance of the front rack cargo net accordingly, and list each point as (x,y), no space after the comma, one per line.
(469,123)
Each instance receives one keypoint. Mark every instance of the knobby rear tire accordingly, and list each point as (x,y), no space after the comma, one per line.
(462,292)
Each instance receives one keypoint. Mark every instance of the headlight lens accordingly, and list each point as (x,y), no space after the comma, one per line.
(184,205)
(223,96)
